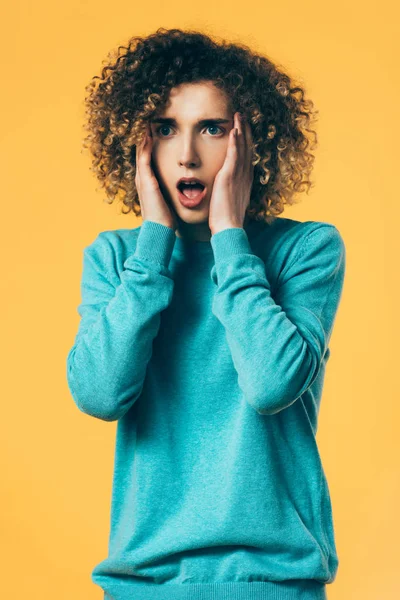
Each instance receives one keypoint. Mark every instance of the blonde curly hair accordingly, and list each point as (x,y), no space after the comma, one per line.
(135,84)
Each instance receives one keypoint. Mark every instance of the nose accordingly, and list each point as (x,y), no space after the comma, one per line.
(188,156)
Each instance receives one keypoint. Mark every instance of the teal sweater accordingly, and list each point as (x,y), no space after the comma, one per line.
(211,356)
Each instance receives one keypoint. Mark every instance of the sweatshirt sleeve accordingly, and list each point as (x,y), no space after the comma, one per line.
(120,317)
(277,345)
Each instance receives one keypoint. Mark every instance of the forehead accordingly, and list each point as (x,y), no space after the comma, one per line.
(196,100)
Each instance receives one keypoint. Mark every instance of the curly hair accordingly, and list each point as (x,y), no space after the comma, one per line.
(135,84)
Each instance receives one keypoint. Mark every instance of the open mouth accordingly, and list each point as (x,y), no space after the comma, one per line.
(190,190)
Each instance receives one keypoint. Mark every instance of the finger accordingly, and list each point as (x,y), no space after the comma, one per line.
(239,124)
(139,146)
(232,144)
(137,162)
(240,140)
(139,153)
(239,144)
(247,133)
(248,144)
(149,177)
(145,138)
(145,152)
(141,157)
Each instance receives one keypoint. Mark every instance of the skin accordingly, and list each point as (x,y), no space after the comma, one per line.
(209,152)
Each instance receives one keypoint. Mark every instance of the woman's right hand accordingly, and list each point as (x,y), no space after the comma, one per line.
(152,203)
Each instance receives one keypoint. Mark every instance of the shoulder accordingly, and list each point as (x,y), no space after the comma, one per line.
(110,248)
(285,242)
(116,239)
(299,231)
(295,234)
(312,238)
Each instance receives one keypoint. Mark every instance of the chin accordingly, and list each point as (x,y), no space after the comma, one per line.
(190,215)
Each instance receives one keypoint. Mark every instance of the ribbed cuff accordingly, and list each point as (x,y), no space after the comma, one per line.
(155,243)
(230,242)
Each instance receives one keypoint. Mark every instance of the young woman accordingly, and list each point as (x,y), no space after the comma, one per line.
(205,331)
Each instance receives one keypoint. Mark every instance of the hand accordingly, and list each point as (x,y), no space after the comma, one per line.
(232,185)
(152,203)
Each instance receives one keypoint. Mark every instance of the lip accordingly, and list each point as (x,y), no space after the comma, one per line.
(188,202)
(186,179)
(191,202)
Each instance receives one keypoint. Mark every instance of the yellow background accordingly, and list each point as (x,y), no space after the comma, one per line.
(57,462)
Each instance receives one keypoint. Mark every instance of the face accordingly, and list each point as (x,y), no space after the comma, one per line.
(184,147)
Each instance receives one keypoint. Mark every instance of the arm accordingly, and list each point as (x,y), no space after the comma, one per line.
(107,364)
(277,345)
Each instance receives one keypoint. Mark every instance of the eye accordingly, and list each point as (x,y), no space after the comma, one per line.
(215,127)
(158,129)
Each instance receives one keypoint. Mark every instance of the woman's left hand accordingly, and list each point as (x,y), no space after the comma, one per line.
(233,182)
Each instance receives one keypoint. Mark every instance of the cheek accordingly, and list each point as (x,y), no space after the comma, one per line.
(158,162)
(216,158)
(161,157)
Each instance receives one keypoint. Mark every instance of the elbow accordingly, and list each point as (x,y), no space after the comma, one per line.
(93,407)
(90,402)
(92,396)
(271,403)
(269,397)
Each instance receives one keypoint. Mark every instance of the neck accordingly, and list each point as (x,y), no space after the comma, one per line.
(199,232)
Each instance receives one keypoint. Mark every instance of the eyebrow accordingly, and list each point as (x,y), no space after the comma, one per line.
(169,121)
